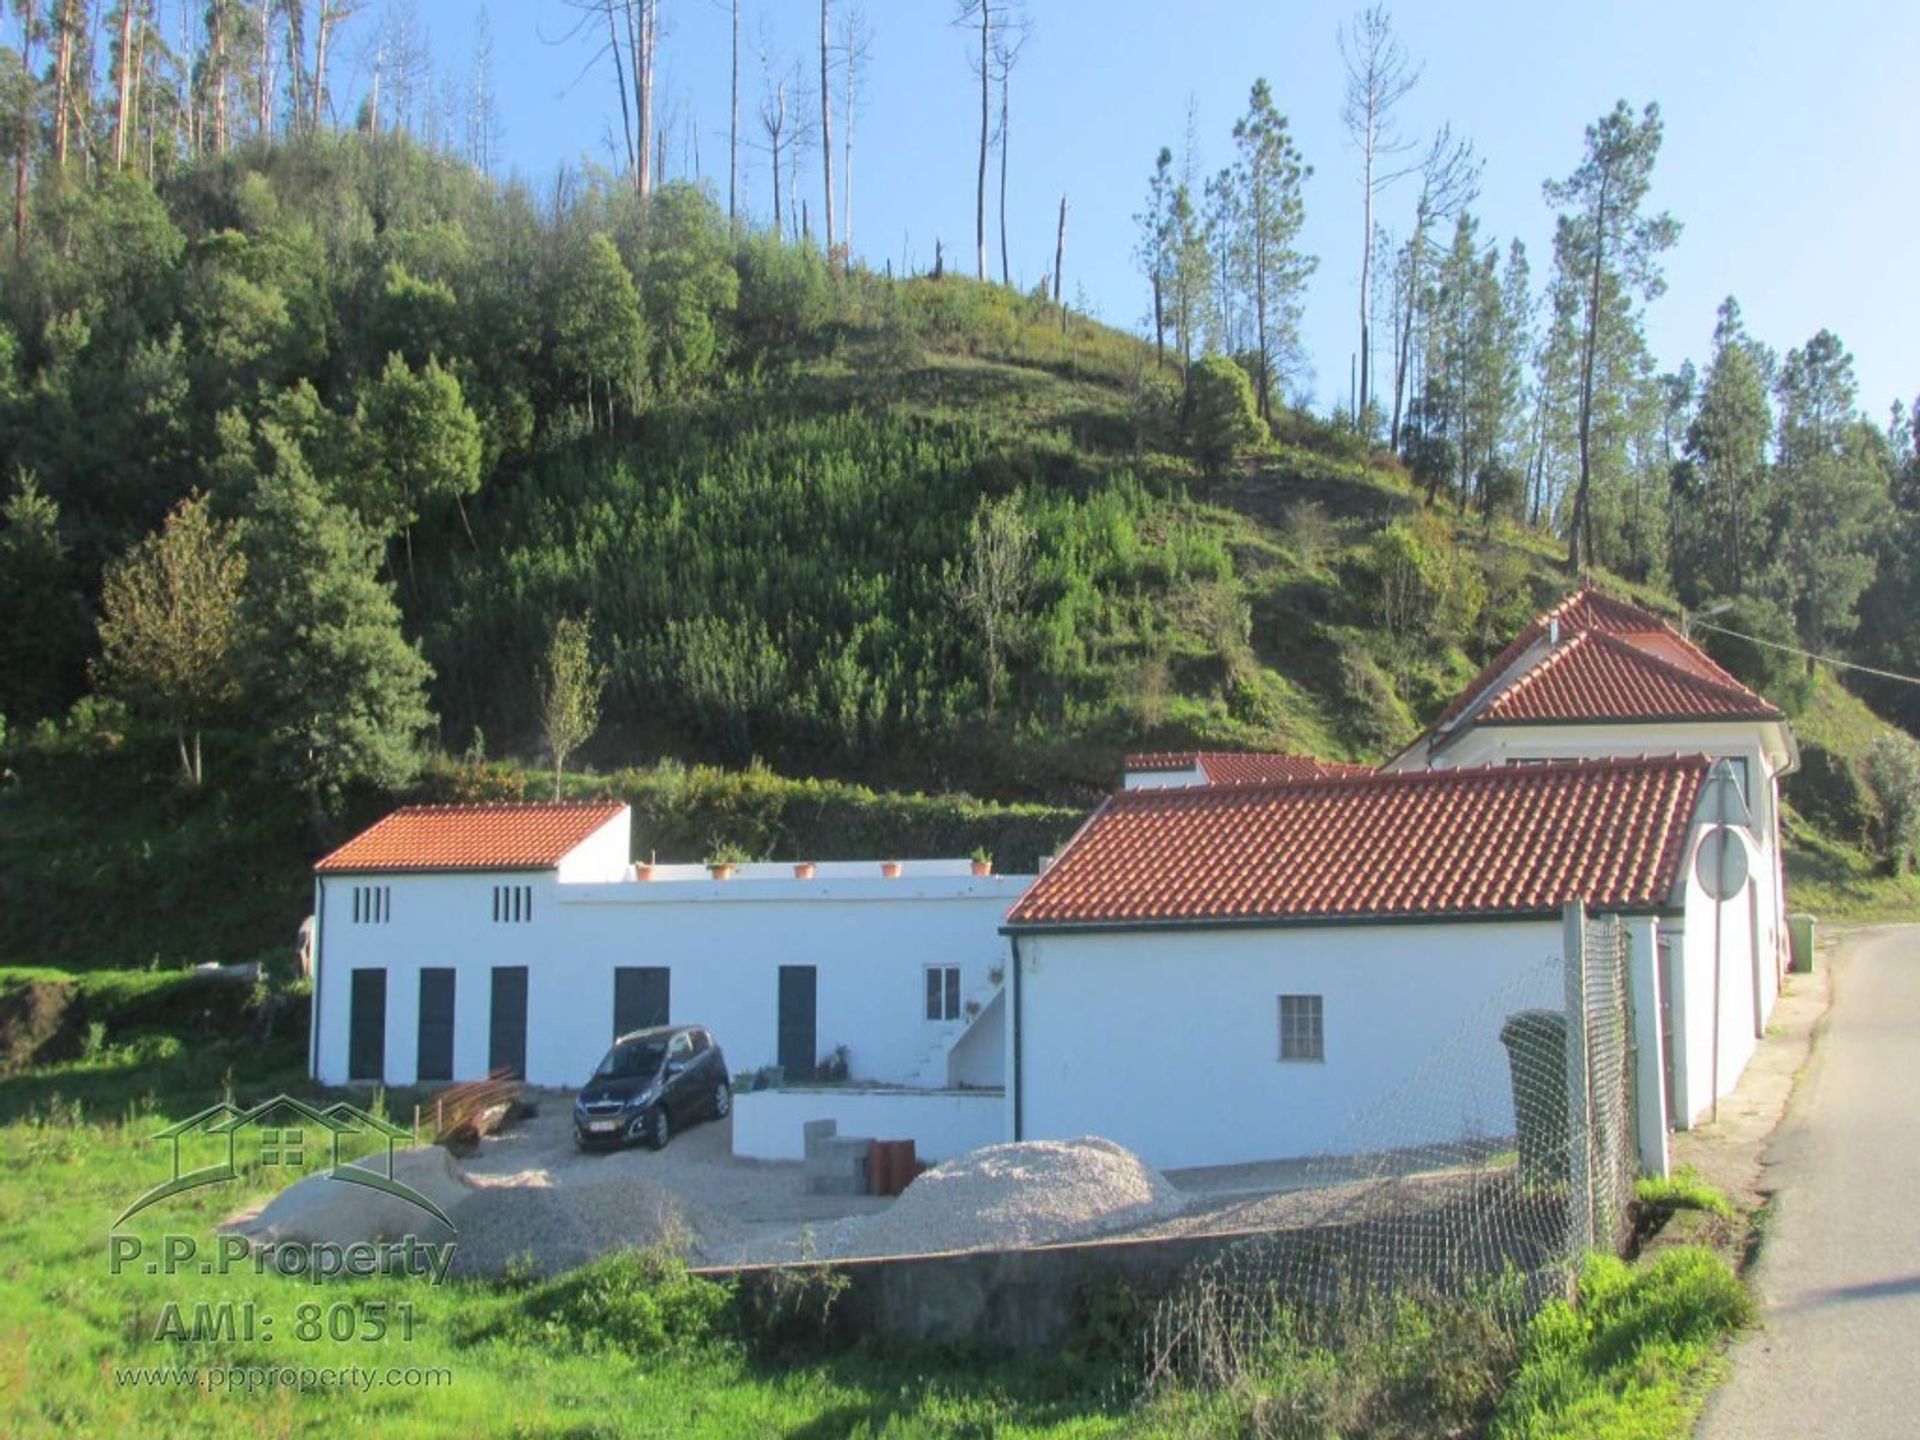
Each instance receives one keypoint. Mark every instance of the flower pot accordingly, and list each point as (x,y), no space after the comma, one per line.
(643,872)
(720,872)
(983,867)
(890,869)
(803,870)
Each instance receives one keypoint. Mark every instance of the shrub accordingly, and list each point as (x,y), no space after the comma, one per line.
(638,1302)
(1222,419)
(1893,770)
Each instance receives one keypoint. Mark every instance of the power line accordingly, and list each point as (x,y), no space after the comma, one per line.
(1807,654)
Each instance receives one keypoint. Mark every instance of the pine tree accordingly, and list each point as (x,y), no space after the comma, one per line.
(1269,175)
(1608,252)
(1728,443)
(338,689)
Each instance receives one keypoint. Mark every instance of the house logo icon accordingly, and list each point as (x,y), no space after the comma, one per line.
(284,1133)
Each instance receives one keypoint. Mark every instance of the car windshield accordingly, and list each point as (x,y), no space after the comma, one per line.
(636,1057)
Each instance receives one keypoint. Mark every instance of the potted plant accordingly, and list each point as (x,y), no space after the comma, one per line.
(725,860)
(803,870)
(890,869)
(995,974)
(973,1009)
(643,870)
(982,860)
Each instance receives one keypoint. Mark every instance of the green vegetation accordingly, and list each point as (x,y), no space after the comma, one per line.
(1633,1359)
(1682,1190)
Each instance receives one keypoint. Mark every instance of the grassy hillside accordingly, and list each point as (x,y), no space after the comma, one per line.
(770,566)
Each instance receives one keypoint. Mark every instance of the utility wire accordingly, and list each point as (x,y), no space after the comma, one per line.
(1807,654)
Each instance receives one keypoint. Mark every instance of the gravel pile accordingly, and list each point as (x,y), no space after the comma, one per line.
(1038,1192)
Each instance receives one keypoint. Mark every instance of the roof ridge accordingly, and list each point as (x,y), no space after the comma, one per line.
(449,807)
(1410,778)
(1611,642)
(1680,673)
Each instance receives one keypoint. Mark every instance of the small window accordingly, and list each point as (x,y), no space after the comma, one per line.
(512,904)
(943,992)
(701,1044)
(372,904)
(1301,1036)
(680,1047)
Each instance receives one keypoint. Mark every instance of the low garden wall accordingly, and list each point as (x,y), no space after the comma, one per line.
(941,1123)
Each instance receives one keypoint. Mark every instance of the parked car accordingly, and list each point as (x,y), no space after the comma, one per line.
(652,1084)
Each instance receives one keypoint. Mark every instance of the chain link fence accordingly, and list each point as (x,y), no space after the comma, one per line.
(1532,1163)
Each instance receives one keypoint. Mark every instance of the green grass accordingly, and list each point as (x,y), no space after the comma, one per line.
(1633,1360)
(1837,882)
(65,1171)
(1682,1190)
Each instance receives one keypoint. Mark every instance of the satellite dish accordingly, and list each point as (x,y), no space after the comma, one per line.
(1720,864)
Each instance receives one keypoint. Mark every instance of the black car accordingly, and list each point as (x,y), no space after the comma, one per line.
(650,1085)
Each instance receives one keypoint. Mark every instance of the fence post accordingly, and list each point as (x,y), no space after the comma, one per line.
(1579,1091)
(1649,1052)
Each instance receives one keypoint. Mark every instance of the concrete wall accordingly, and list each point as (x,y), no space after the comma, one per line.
(1168,1042)
(941,1123)
(1031,1300)
(724,942)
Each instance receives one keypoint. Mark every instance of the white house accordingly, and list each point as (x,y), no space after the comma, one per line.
(1599,676)
(1215,974)
(1233,957)
(454,941)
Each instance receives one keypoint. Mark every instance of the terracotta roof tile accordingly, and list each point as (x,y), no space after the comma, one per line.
(1593,691)
(471,837)
(1233,767)
(1599,676)
(1507,840)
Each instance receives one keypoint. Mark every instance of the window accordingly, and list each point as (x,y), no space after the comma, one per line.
(701,1044)
(1301,1036)
(372,904)
(943,992)
(512,904)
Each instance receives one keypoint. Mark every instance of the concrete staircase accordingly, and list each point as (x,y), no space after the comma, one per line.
(934,1070)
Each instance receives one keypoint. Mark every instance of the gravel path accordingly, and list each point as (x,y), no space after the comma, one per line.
(529,1198)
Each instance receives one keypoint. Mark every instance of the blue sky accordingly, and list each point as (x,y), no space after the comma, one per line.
(1792,138)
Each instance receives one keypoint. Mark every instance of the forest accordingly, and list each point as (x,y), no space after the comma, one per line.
(335,468)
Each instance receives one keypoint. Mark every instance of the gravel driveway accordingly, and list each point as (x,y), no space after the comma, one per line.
(562,1206)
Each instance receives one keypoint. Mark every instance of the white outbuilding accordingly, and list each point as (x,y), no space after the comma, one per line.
(459,941)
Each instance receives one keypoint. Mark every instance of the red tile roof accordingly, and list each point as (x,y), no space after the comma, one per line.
(1590,692)
(1600,676)
(471,837)
(1512,840)
(1233,767)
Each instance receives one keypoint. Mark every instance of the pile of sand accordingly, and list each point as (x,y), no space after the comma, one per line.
(1038,1192)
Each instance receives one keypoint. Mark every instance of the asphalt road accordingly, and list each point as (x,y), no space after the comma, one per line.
(1839,1272)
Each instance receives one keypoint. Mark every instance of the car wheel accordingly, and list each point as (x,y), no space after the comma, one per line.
(722,1100)
(659,1129)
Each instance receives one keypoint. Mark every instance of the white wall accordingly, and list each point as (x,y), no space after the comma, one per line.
(1168,1042)
(1693,949)
(941,1123)
(724,942)
(1163,779)
(602,855)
